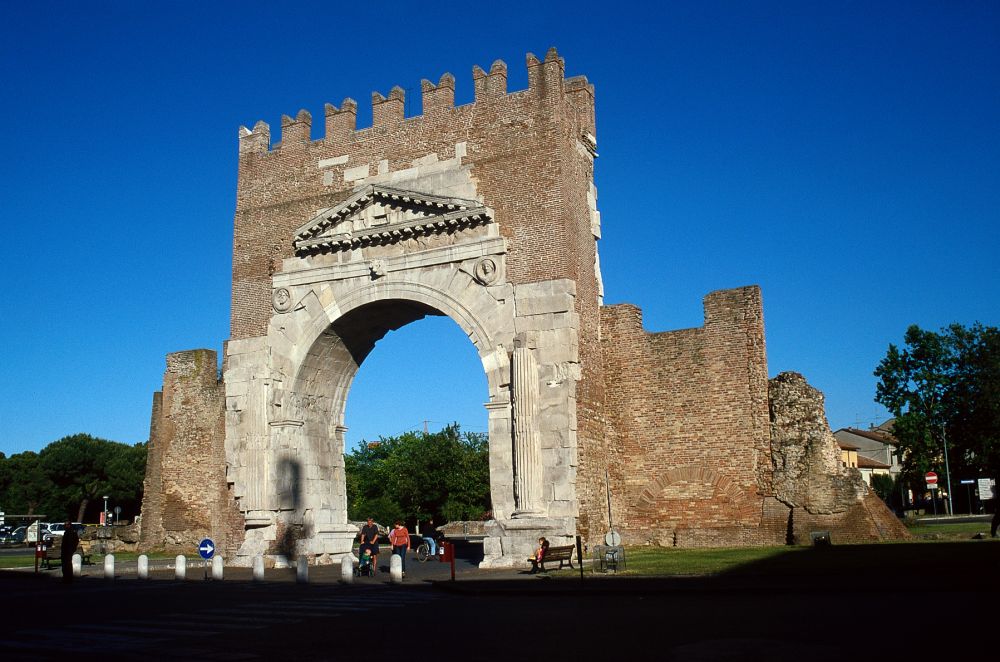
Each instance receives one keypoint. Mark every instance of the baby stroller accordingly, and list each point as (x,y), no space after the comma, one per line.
(366,564)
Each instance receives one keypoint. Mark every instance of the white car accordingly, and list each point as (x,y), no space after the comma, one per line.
(59,529)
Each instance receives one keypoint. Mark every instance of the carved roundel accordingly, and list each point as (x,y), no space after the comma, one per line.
(486,271)
(281,299)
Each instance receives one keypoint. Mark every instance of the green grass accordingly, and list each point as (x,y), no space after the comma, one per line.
(19,561)
(961,530)
(654,561)
(27,560)
(858,561)
(153,556)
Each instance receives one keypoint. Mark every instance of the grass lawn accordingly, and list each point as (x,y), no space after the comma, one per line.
(27,560)
(18,560)
(936,531)
(657,561)
(909,559)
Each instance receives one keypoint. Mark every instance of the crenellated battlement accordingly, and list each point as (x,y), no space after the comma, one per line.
(546,83)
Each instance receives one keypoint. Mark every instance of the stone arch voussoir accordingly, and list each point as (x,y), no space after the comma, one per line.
(696,473)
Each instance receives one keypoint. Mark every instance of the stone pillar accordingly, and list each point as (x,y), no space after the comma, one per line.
(347,570)
(527,442)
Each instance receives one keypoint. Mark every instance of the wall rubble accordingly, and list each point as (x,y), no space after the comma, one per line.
(809,476)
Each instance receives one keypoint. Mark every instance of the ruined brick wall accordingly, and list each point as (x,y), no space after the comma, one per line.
(530,155)
(687,412)
(185,495)
(708,452)
(809,477)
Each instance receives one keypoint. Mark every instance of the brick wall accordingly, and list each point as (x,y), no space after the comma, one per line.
(522,151)
(185,496)
(687,411)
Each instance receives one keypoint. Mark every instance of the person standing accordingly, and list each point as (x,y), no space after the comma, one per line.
(70,541)
(369,541)
(430,537)
(400,539)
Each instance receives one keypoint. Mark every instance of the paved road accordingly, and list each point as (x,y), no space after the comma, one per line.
(487,616)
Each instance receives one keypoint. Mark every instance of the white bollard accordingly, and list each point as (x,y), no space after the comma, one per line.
(109,566)
(77,565)
(395,569)
(143,566)
(180,566)
(258,568)
(347,569)
(217,565)
(302,570)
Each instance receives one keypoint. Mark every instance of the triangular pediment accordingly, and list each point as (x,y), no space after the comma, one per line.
(378,215)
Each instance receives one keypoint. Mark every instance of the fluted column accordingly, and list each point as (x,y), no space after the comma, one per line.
(527,442)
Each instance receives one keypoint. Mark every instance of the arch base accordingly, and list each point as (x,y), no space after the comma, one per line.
(509,543)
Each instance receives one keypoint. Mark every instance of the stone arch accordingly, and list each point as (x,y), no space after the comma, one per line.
(380,260)
(437,302)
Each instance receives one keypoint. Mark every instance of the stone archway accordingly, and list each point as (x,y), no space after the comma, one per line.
(331,303)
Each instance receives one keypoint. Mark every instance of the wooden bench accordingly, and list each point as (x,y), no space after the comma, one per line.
(562,554)
(54,553)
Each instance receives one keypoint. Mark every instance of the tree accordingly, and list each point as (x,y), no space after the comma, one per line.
(444,476)
(944,387)
(70,474)
(28,491)
(77,466)
(885,487)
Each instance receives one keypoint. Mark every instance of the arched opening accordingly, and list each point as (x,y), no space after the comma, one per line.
(421,377)
(312,426)
(416,443)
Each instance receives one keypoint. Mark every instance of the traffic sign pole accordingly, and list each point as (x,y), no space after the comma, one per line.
(206,548)
(947,472)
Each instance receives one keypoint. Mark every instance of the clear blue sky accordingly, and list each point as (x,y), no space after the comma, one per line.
(843,155)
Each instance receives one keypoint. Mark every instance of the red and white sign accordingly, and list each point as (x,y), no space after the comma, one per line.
(931,478)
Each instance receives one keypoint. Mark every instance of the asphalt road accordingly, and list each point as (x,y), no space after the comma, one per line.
(490,616)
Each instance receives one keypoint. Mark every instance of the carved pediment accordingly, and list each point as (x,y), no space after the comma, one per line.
(378,215)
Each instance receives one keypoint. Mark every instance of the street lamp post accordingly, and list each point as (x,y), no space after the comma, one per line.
(947,472)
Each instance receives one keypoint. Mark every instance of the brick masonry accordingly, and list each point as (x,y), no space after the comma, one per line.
(674,426)
(185,496)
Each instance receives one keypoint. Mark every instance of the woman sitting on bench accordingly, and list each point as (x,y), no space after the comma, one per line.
(539,556)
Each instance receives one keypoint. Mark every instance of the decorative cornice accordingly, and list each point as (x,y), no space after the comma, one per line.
(439,214)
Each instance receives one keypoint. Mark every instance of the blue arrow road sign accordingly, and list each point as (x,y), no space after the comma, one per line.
(206,548)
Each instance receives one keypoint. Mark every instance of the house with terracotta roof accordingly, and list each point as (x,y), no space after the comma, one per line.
(848,454)
(869,468)
(876,450)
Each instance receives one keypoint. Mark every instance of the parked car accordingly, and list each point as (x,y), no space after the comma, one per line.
(58,529)
(18,535)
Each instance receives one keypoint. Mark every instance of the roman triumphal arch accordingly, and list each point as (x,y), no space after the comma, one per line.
(487,213)
(386,256)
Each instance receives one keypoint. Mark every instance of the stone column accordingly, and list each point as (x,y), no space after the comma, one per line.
(255,458)
(527,441)
(332,534)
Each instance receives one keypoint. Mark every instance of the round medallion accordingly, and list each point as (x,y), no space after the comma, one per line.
(281,299)
(486,271)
